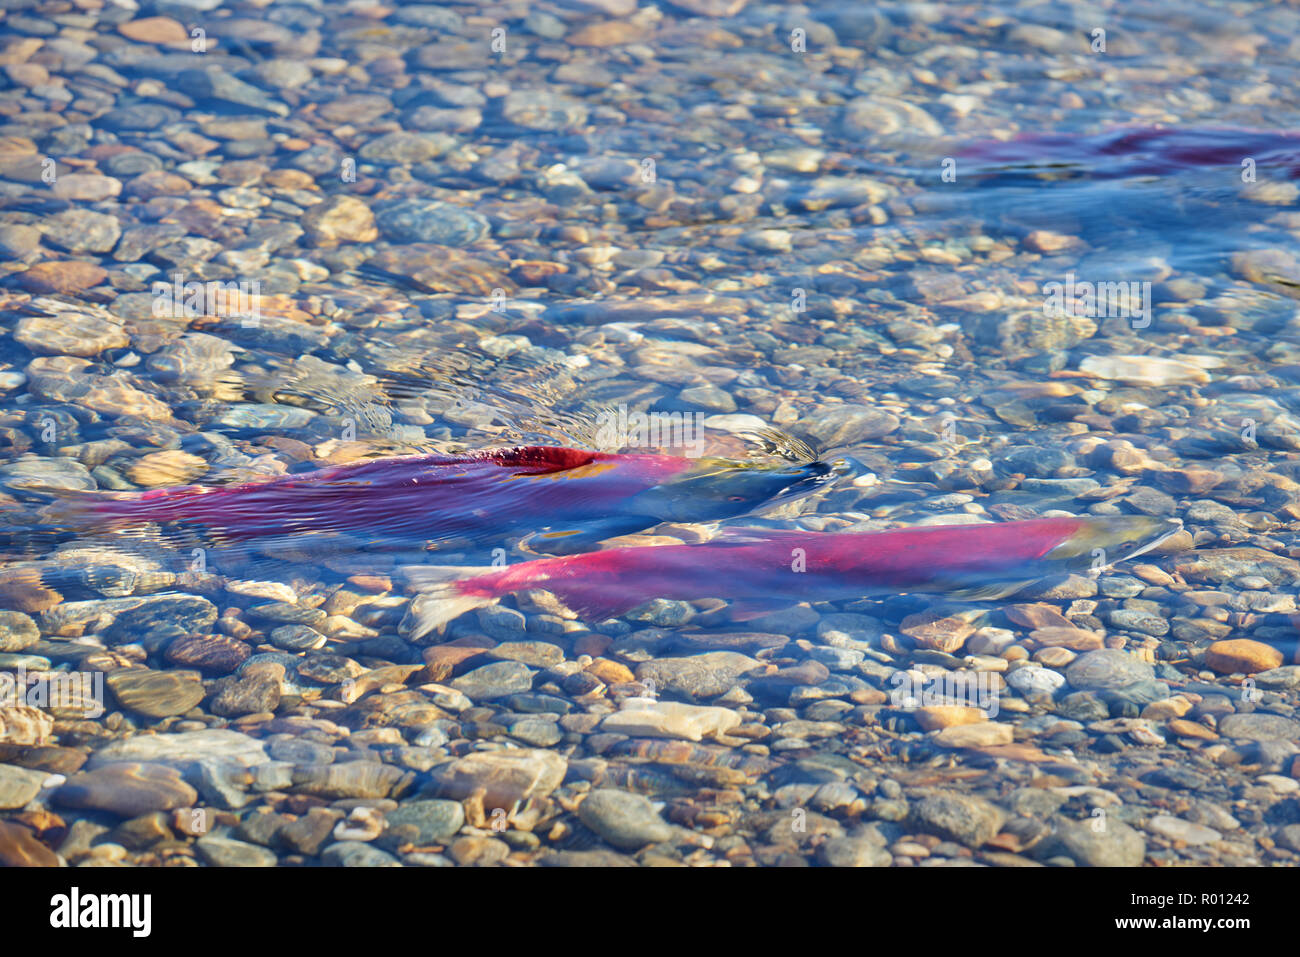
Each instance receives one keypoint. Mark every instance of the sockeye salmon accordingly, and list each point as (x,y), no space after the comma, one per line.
(1140,151)
(582,497)
(745,564)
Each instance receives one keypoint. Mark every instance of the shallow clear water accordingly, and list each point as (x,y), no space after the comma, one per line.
(774,230)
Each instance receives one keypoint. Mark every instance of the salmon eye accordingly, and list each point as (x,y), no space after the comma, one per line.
(736,498)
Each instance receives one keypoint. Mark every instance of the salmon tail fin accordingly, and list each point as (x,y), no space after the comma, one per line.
(442,595)
(35,524)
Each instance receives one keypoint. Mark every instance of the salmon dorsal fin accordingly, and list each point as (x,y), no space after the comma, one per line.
(540,459)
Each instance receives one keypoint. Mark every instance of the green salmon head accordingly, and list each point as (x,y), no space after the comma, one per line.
(1104,542)
(720,488)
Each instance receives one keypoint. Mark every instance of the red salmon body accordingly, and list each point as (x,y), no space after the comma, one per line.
(440,494)
(761,564)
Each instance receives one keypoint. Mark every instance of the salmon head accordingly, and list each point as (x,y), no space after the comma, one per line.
(715,488)
(1101,542)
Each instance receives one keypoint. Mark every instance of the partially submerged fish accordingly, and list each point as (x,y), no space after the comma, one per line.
(978,560)
(1139,151)
(583,497)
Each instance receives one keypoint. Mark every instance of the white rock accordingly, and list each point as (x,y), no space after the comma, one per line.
(734,422)
(1150,370)
(273,591)
(1034,680)
(183,748)
(1176,829)
(670,719)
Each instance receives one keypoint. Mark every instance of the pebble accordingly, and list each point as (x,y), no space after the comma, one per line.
(127,789)
(17,631)
(670,719)
(1114,845)
(155,694)
(959,817)
(356,854)
(19,786)
(352,779)
(70,333)
(297,638)
(1107,668)
(937,717)
(20,848)
(181,749)
(535,731)
(853,852)
(1176,829)
(214,653)
(228,852)
(627,821)
(340,219)
(310,832)
(942,634)
(507,777)
(81,231)
(847,424)
(64,278)
(425,221)
(422,822)
(498,680)
(1259,726)
(255,691)
(697,677)
(1035,680)
(975,735)
(1242,656)
(476,851)
(1150,370)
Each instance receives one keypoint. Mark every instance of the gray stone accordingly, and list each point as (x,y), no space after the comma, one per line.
(218,85)
(428,221)
(543,110)
(1113,845)
(959,817)
(1144,623)
(697,676)
(1033,460)
(183,749)
(82,230)
(357,854)
(1258,726)
(221,783)
(853,852)
(227,852)
(422,823)
(536,731)
(405,148)
(297,638)
(1107,668)
(627,821)
(1289,837)
(847,424)
(498,680)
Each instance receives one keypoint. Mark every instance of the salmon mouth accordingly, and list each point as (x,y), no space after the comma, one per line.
(805,477)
